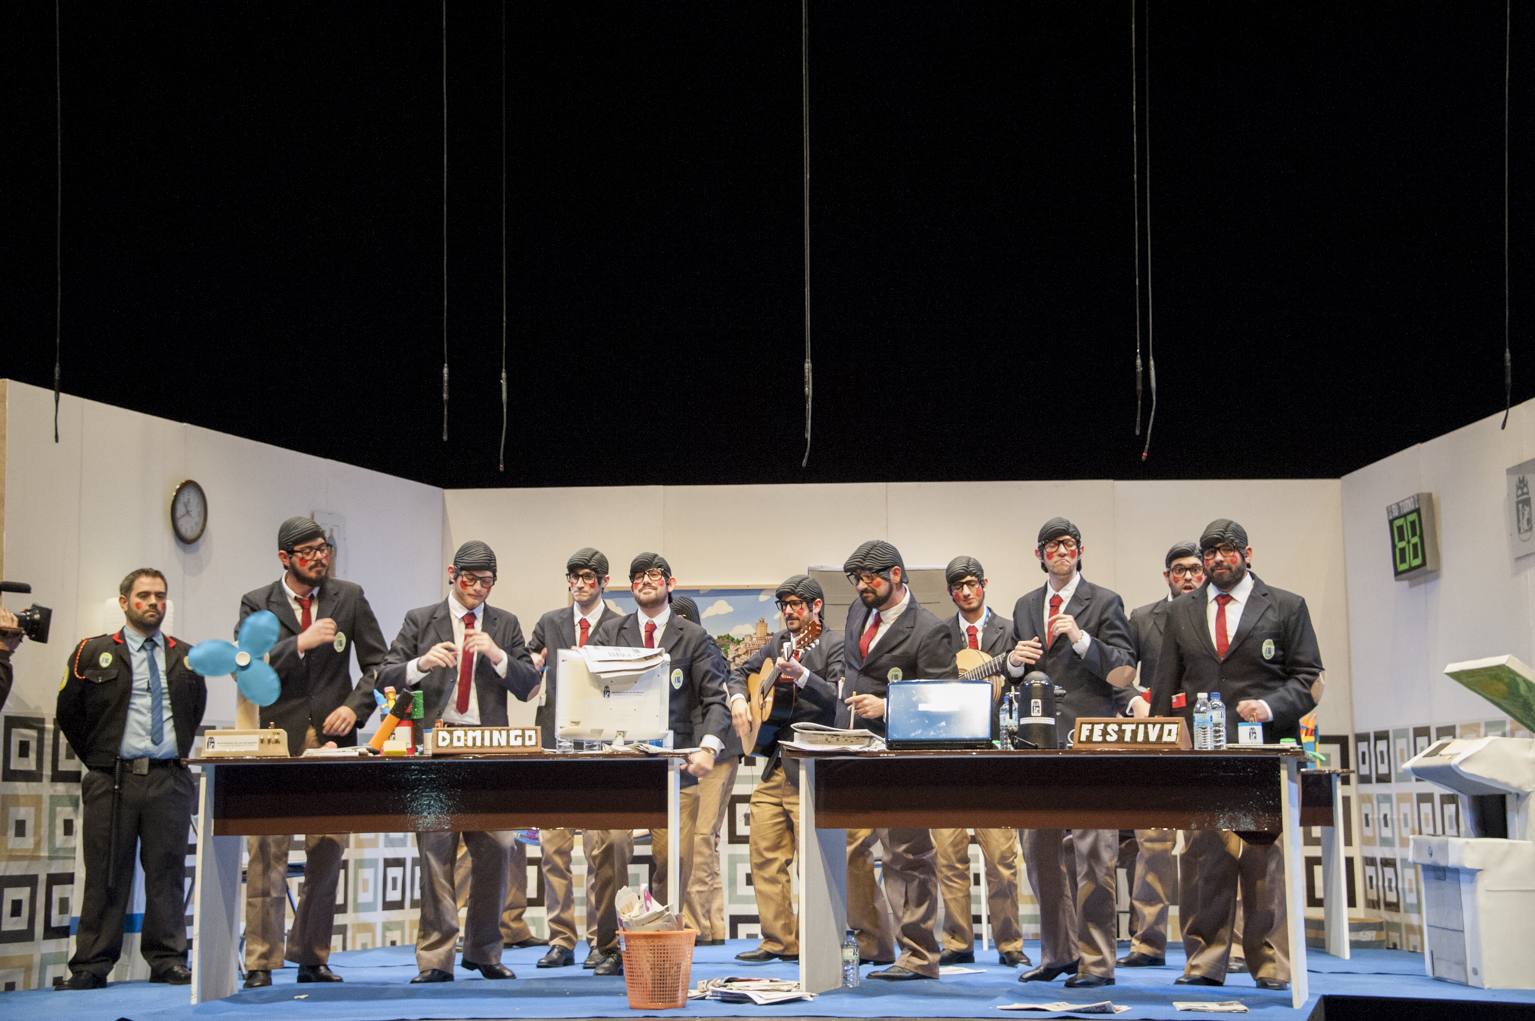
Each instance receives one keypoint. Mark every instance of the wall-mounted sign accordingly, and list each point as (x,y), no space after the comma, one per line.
(1519,511)
(1414,536)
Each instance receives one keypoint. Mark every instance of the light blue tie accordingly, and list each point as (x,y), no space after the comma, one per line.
(156,697)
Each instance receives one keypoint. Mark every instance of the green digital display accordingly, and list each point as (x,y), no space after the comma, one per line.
(1407,542)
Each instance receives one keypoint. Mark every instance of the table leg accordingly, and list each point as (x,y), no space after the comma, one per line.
(822,891)
(216,911)
(1295,888)
(1335,879)
(674,835)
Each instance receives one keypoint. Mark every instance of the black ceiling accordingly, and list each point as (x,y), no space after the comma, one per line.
(252,232)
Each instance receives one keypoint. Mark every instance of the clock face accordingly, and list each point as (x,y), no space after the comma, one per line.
(189,512)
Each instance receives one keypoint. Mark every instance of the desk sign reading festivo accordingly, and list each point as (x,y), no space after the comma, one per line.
(476,740)
(1118,733)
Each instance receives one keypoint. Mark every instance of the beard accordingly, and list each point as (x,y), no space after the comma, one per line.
(146,621)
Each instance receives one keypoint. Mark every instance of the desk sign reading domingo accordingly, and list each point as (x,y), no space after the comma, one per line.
(478,740)
(1115,733)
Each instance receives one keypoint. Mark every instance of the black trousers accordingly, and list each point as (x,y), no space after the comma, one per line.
(154,813)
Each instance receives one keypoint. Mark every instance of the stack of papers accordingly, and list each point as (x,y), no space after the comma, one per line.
(1061,1006)
(638,911)
(761,991)
(617,659)
(816,737)
(1211,1006)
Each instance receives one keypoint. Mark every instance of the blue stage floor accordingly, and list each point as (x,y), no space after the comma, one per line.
(377,989)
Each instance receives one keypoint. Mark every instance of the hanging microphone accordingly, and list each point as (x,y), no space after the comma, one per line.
(14,586)
(401,710)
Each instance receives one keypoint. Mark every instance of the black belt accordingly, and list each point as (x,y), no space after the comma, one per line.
(140,767)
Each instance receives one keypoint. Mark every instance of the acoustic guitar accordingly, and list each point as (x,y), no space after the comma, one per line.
(975,665)
(770,711)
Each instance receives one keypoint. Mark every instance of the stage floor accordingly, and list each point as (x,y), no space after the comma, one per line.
(377,989)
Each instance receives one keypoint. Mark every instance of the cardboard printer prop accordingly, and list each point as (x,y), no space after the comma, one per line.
(1479,889)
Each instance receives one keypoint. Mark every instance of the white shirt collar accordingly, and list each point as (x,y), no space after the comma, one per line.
(661,619)
(1066,592)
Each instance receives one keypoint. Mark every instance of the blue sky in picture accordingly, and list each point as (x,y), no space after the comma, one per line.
(725,611)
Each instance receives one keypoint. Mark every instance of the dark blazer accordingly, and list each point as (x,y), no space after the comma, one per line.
(917,645)
(5,677)
(92,706)
(1101,614)
(316,684)
(554,631)
(816,702)
(703,678)
(995,637)
(1147,625)
(1273,656)
(425,626)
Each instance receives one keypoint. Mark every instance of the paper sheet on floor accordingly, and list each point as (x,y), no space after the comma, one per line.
(1062,1007)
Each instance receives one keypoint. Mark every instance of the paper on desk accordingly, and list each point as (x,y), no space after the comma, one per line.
(359,752)
(611,659)
(1211,1006)
(817,737)
(1061,1006)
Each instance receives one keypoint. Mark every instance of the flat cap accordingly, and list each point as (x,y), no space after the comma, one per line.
(963,567)
(296,530)
(1178,551)
(802,585)
(1223,530)
(588,559)
(645,561)
(475,555)
(875,555)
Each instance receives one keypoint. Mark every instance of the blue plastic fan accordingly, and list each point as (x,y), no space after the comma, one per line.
(256,681)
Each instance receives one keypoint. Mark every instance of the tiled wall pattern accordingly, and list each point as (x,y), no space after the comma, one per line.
(1393,807)
(378,896)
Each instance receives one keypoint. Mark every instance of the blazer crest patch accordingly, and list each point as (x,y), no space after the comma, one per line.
(1268,648)
(677,679)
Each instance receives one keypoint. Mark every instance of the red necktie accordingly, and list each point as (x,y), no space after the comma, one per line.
(868,636)
(1055,611)
(465,670)
(586,630)
(304,619)
(970,632)
(1222,642)
(650,634)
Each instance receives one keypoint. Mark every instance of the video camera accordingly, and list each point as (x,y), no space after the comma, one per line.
(35,620)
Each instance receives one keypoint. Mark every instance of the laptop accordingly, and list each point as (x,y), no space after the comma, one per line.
(939,714)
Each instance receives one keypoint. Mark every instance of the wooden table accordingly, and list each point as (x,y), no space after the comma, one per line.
(1253,791)
(271,797)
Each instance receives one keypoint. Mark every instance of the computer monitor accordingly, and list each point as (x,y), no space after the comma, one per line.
(610,697)
(939,714)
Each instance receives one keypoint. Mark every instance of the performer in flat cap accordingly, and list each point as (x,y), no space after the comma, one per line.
(698,687)
(1255,645)
(808,662)
(896,638)
(990,634)
(322,622)
(464,655)
(1076,632)
(607,851)
(1151,888)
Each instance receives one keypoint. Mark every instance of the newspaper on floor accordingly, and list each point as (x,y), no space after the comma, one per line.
(638,911)
(1062,1007)
(761,991)
(1211,1006)
(817,737)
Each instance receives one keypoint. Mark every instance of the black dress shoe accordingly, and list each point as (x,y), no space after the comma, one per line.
(496,971)
(1013,958)
(1197,980)
(896,973)
(709,943)
(593,958)
(83,980)
(431,975)
(957,957)
(523,944)
(1049,972)
(1088,981)
(258,978)
(872,960)
(1140,960)
(1270,983)
(558,957)
(612,964)
(758,956)
(316,973)
(173,975)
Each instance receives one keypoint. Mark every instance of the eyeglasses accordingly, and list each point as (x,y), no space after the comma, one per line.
(1183,570)
(476,580)
(1056,545)
(791,604)
(968,583)
(319,552)
(865,577)
(654,574)
(1225,551)
(582,577)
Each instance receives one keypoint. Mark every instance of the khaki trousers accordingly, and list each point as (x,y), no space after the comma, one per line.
(909,898)
(1075,922)
(1152,890)
(868,910)
(1217,865)
(687,829)
(486,854)
(514,926)
(999,852)
(704,907)
(266,897)
(774,842)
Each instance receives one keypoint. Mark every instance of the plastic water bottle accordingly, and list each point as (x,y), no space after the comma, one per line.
(1203,738)
(1007,720)
(850,977)
(1217,721)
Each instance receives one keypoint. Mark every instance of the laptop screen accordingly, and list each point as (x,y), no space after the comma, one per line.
(939,714)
